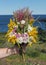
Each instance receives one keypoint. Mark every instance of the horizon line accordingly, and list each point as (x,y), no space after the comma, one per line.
(32,14)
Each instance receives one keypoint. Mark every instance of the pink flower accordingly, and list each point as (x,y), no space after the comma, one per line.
(18,35)
(25,37)
(22,35)
(15,29)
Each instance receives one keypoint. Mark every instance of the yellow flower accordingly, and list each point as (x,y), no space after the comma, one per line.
(31,21)
(34,40)
(29,44)
(8,32)
(33,32)
(12,39)
(12,24)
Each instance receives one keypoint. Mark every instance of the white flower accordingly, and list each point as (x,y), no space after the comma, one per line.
(18,22)
(31,38)
(29,28)
(22,21)
(25,38)
(16,26)
(11,34)
(20,40)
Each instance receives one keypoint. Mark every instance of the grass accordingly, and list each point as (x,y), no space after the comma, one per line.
(33,55)
(17,60)
(42,56)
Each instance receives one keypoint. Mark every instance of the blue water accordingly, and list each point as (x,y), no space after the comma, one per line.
(4,20)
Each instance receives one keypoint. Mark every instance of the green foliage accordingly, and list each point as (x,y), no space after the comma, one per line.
(41,35)
(2,39)
(35,54)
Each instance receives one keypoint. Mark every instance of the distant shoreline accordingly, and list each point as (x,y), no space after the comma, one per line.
(42,17)
(4,20)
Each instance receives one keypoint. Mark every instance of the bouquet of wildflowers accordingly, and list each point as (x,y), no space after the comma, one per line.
(20,29)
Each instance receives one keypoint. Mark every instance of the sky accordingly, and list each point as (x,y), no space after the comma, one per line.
(8,6)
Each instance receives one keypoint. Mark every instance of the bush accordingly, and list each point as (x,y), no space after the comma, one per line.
(35,53)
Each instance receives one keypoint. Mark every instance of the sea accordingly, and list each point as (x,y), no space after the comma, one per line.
(5,19)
